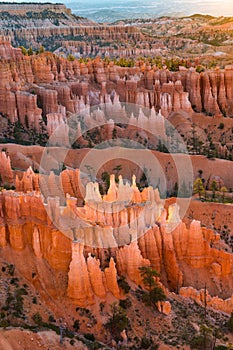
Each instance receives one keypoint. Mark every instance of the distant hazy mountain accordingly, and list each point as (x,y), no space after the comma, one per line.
(109,10)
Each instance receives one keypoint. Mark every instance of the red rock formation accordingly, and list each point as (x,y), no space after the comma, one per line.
(174,99)
(3,241)
(28,113)
(48,100)
(28,183)
(85,278)
(54,121)
(71,184)
(79,286)
(111,281)
(8,52)
(164,307)
(5,169)
(202,296)
(129,259)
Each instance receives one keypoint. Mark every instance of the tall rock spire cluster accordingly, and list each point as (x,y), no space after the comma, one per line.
(111,236)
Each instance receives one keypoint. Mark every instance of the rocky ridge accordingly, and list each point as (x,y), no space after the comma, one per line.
(16,16)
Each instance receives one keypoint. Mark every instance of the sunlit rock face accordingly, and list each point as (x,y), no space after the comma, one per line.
(89,247)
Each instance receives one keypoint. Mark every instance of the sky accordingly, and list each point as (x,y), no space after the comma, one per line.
(155,8)
(146,8)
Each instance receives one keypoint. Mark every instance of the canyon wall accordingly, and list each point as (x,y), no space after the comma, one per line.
(29,88)
(59,31)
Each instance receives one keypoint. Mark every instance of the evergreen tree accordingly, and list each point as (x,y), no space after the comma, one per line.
(41,49)
(223,190)
(148,276)
(214,188)
(155,293)
(117,169)
(30,51)
(24,50)
(198,187)
(175,190)
(70,58)
(230,323)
